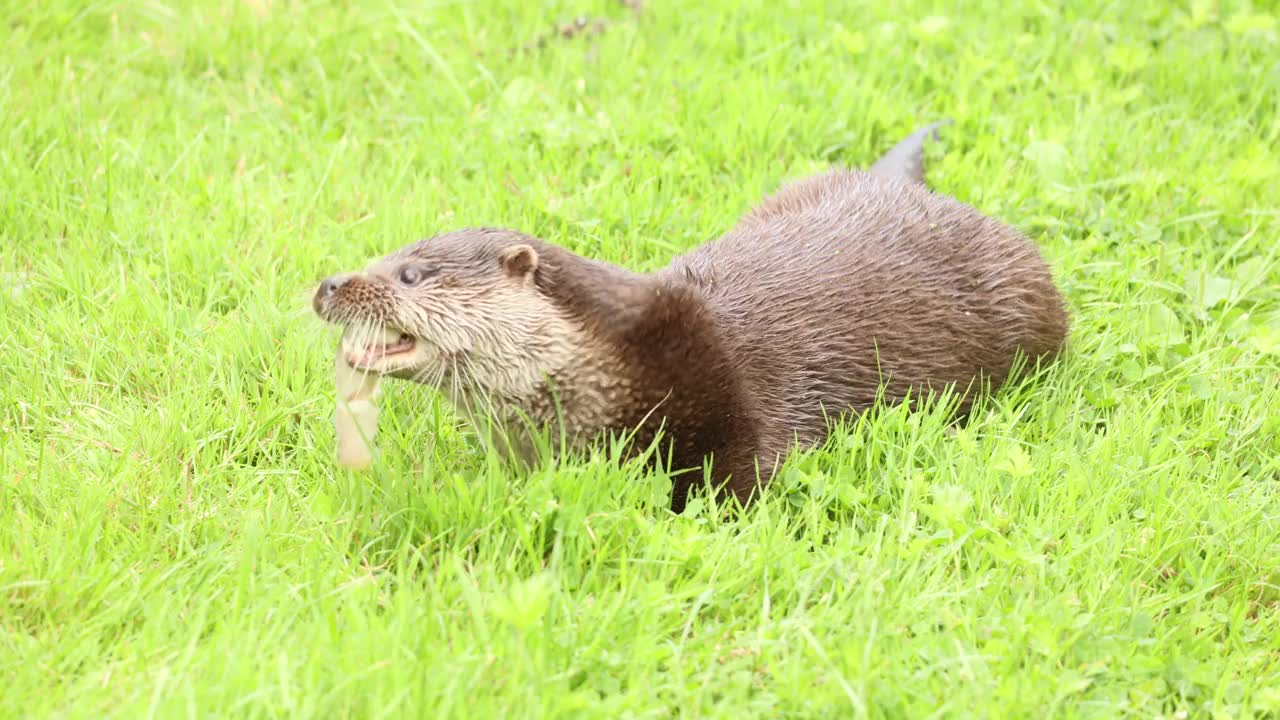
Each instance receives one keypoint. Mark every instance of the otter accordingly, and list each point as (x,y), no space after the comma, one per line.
(838,291)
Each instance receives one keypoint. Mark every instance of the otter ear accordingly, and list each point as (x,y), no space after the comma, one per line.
(519,260)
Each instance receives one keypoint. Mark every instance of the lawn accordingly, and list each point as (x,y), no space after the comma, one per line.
(177,540)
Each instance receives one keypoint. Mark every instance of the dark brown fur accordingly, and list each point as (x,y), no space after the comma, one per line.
(834,289)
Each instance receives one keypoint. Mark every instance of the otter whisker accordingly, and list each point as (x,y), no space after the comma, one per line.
(421,375)
(438,378)
(489,416)
(453,381)
(430,375)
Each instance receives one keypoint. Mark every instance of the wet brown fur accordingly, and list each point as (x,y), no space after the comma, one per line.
(831,291)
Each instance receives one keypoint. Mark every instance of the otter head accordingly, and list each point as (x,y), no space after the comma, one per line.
(462,311)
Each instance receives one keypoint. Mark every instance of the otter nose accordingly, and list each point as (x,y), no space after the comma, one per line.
(330,285)
(328,288)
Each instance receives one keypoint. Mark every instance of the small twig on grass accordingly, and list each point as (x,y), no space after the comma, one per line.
(580,26)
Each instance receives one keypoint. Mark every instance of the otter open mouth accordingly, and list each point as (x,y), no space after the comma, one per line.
(373,352)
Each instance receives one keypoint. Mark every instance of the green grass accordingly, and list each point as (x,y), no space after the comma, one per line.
(176,540)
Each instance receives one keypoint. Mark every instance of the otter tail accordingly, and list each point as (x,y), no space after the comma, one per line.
(906,159)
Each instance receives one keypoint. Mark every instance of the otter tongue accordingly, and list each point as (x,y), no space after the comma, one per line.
(356,416)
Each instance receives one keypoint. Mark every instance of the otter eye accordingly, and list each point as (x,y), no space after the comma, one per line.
(411,275)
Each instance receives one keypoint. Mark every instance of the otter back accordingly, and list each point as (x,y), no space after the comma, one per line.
(848,282)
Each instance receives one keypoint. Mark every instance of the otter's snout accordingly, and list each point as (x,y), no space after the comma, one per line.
(328,288)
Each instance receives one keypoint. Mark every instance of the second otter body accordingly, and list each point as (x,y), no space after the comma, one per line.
(835,291)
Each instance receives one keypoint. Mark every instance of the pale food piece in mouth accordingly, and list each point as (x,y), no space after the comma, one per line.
(369,350)
(356,416)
